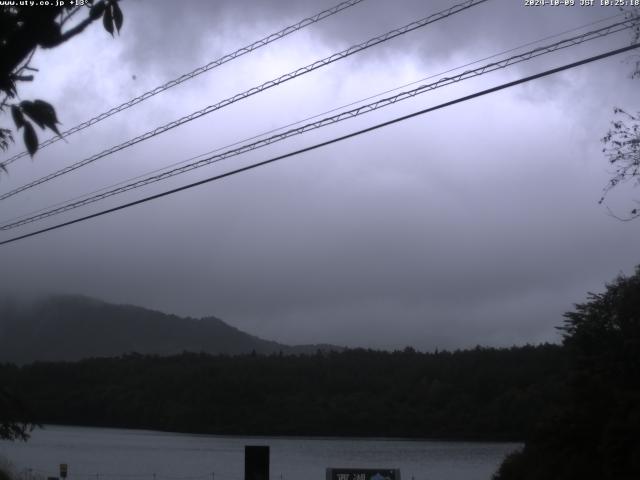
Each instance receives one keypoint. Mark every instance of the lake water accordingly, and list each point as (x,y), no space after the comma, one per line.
(114,454)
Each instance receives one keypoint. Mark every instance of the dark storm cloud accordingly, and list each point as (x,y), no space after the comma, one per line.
(172,37)
(477,224)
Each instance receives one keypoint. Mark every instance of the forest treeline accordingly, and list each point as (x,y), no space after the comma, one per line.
(482,393)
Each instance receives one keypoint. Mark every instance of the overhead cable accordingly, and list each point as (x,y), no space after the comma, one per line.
(328,142)
(241,96)
(194,73)
(537,52)
(312,117)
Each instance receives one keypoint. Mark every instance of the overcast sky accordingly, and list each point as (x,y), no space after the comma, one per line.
(475,224)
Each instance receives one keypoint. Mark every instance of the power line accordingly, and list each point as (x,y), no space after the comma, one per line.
(599,33)
(329,142)
(342,116)
(298,122)
(241,96)
(194,73)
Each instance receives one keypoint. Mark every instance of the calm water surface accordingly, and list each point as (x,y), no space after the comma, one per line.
(113,454)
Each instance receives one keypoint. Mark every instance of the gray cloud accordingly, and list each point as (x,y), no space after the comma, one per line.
(477,224)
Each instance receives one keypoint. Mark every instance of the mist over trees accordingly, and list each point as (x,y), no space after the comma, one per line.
(73,327)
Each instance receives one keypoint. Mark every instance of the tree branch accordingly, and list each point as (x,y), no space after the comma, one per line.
(23,78)
(79,28)
(70,15)
(622,219)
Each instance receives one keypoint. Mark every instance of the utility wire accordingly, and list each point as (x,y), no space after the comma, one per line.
(306,119)
(599,33)
(329,142)
(241,96)
(194,73)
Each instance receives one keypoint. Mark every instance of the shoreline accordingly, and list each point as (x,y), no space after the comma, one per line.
(468,439)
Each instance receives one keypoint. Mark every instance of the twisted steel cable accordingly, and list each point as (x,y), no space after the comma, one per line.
(370,107)
(252,91)
(318,115)
(194,73)
(328,142)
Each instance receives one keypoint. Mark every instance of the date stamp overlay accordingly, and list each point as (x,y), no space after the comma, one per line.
(581,3)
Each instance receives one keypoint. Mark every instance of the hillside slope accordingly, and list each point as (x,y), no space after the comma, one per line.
(68,328)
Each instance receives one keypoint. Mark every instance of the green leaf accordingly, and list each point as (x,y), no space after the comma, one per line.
(47,114)
(96,10)
(18,118)
(107,21)
(42,113)
(30,138)
(117,16)
(33,112)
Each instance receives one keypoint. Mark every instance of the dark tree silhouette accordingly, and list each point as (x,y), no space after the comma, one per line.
(23,29)
(15,418)
(595,434)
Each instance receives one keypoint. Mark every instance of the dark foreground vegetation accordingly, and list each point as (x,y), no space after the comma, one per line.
(480,393)
(595,434)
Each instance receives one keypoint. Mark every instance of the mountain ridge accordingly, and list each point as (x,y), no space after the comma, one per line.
(74,327)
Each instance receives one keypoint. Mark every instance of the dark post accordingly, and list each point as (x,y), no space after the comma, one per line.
(256,462)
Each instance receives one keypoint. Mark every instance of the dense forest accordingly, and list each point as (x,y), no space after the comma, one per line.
(483,393)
